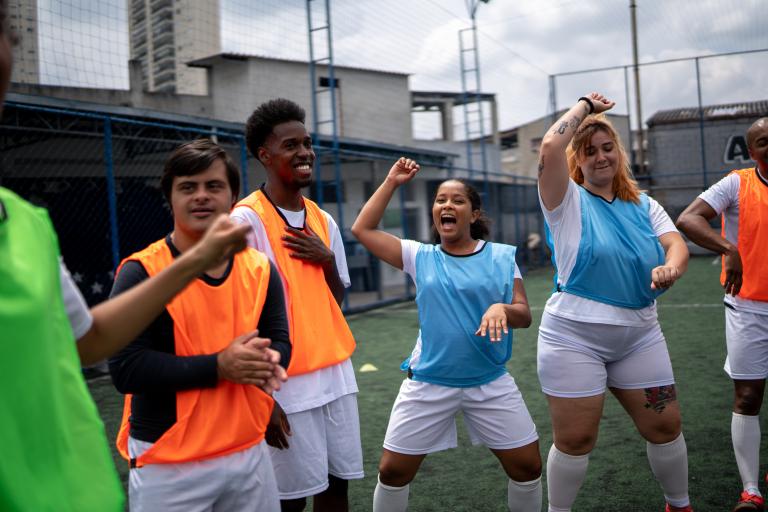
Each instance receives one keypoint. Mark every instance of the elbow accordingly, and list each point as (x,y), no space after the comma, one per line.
(682,222)
(546,145)
(356,229)
(527,321)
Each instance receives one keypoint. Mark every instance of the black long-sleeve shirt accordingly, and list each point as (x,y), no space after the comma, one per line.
(150,370)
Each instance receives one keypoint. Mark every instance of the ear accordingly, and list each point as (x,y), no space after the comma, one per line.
(263,156)
(475,216)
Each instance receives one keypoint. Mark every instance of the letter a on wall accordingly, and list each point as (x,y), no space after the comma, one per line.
(736,149)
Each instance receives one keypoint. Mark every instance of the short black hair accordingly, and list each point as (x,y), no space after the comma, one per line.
(193,158)
(264,119)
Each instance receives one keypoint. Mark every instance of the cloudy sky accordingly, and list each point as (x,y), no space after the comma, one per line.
(521,43)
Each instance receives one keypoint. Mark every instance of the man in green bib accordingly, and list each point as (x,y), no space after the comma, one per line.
(55,454)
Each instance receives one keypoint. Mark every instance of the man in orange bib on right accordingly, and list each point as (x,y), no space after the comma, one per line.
(742,199)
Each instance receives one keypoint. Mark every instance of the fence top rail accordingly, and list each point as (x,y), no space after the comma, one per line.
(127,120)
(655,62)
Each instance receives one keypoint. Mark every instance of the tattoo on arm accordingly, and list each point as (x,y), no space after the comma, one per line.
(561,129)
(575,122)
(659,397)
(541,165)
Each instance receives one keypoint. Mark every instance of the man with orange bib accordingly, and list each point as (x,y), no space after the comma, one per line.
(742,199)
(304,242)
(197,402)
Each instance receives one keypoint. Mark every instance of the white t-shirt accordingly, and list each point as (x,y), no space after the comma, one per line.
(77,310)
(409,249)
(723,197)
(309,390)
(565,224)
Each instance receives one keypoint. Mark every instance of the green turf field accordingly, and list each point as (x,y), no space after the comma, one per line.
(619,478)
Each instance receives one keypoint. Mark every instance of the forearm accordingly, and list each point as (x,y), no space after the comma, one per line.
(373,210)
(677,256)
(120,320)
(333,280)
(560,134)
(698,231)
(145,371)
(518,315)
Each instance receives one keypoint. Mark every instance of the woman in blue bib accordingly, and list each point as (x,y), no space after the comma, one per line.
(615,250)
(469,294)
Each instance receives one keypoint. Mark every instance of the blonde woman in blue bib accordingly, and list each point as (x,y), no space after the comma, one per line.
(469,294)
(615,250)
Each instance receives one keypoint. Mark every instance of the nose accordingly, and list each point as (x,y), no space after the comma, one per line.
(306,152)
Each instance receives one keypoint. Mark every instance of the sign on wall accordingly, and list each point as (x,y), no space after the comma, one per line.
(736,150)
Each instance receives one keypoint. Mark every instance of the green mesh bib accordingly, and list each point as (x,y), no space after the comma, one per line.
(55,455)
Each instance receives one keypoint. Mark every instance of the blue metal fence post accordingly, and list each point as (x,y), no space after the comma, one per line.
(111,193)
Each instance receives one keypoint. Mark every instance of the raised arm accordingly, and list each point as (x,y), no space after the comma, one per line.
(118,321)
(383,245)
(553,164)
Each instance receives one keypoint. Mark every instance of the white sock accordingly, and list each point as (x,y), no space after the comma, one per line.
(745,434)
(524,496)
(669,463)
(390,499)
(565,474)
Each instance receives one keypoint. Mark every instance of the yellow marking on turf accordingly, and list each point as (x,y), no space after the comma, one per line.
(368,367)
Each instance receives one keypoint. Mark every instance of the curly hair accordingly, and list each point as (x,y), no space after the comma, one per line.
(481,228)
(624,186)
(264,119)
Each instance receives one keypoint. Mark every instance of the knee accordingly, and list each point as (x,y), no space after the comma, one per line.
(296,505)
(747,401)
(394,475)
(663,431)
(527,470)
(576,444)
(337,486)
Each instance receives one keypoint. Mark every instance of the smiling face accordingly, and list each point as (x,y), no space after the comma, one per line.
(288,156)
(198,199)
(599,160)
(452,212)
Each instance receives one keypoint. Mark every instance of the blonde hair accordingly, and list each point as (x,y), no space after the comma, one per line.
(624,186)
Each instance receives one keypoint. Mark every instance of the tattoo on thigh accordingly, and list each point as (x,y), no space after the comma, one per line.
(657,398)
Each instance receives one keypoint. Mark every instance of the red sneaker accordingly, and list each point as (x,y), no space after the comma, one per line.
(750,502)
(670,508)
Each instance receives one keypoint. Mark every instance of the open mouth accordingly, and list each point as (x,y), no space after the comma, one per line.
(447,220)
(304,167)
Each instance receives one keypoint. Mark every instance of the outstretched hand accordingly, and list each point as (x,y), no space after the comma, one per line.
(221,241)
(600,102)
(403,171)
(494,323)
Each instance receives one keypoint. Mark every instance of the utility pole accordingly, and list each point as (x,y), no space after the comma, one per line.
(638,102)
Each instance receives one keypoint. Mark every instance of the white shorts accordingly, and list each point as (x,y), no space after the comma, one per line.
(242,480)
(423,419)
(324,440)
(579,359)
(746,335)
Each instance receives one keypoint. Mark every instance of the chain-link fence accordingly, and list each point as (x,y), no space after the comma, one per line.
(98,175)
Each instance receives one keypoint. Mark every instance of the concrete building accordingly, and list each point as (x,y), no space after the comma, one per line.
(23,20)
(167,34)
(679,169)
